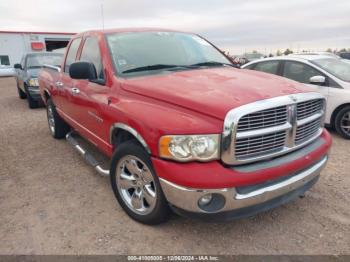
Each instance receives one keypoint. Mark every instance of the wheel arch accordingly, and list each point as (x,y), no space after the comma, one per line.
(120,132)
(47,95)
(336,111)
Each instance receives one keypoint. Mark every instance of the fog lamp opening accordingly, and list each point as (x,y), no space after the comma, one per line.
(205,200)
(211,203)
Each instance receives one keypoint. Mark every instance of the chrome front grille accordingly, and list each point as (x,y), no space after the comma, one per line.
(309,108)
(266,118)
(272,127)
(252,146)
(307,131)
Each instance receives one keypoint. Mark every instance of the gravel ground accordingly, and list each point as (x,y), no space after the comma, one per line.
(51,202)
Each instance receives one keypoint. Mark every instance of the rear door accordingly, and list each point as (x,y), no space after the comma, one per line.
(91,96)
(64,84)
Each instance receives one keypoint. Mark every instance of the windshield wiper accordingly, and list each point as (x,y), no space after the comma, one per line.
(174,67)
(153,67)
(211,63)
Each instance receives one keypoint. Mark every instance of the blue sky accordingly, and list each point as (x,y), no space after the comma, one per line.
(236,26)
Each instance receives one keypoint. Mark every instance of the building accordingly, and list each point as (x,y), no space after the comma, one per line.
(13,45)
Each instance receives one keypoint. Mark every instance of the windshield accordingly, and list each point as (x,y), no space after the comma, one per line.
(38,60)
(154,51)
(336,67)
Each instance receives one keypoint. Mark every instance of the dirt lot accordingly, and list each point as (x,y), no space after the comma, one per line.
(51,202)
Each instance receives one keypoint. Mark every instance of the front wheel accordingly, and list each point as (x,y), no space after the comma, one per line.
(21,94)
(342,122)
(136,185)
(31,102)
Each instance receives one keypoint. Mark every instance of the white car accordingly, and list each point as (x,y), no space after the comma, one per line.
(317,53)
(7,71)
(324,74)
(5,68)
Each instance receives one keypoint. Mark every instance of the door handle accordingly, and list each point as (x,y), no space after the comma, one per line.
(59,84)
(75,91)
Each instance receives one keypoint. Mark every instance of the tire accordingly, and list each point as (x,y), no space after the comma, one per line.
(21,94)
(57,126)
(31,102)
(342,119)
(152,209)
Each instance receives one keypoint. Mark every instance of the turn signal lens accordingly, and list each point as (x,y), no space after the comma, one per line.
(164,146)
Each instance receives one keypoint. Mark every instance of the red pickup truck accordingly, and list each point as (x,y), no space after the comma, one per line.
(185,131)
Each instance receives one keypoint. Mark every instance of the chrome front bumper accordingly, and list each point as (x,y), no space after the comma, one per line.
(187,198)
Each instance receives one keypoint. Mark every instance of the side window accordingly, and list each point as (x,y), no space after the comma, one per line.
(4,60)
(267,67)
(91,53)
(299,72)
(332,83)
(72,53)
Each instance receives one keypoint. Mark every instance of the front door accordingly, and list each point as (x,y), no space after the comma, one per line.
(302,73)
(88,97)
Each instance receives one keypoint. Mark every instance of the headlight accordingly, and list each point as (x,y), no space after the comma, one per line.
(33,82)
(190,147)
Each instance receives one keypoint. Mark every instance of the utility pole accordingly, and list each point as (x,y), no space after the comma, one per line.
(103,18)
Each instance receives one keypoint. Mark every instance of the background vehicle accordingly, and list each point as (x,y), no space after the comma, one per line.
(317,53)
(5,68)
(183,128)
(344,55)
(27,75)
(7,71)
(249,57)
(239,61)
(323,74)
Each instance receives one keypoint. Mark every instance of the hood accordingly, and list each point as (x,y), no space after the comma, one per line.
(213,91)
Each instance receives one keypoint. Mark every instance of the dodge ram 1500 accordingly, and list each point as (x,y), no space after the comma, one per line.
(184,130)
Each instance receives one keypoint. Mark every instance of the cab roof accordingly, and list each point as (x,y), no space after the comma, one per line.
(126,30)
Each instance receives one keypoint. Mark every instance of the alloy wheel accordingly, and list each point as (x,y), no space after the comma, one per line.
(136,185)
(51,118)
(345,123)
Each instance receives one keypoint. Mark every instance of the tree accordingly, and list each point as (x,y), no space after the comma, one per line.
(288,51)
(278,53)
(329,50)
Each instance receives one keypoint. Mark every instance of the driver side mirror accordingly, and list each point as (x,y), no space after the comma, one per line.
(317,80)
(18,66)
(83,70)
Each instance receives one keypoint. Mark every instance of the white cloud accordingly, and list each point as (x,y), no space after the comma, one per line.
(234,25)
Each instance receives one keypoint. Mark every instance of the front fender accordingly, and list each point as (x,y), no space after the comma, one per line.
(152,119)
